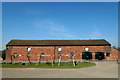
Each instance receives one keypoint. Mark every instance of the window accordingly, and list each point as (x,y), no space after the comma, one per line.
(107,54)
(86,48)
(59,48)
(42,55)
(15,55)
(59,55)
(28,55)
(71,55)
(28,49)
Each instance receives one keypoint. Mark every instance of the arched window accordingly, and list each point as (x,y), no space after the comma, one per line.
(86,48)
(59,48)
(29,48)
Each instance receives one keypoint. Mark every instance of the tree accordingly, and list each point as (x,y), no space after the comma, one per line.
(114,47)
(4,54)
(118,48)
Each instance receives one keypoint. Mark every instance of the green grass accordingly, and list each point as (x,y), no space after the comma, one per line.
(44,65)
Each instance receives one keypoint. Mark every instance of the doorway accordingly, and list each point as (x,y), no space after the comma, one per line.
(87,55)
(99,55)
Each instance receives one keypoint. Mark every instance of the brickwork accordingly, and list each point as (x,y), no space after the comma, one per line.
(113,54)
(53,50)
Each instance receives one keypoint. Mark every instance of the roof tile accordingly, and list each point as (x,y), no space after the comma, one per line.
(57,42)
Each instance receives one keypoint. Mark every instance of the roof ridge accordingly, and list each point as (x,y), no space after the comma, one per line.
(59,42)
(57,39)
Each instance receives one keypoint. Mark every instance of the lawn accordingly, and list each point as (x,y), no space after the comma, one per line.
(44,65)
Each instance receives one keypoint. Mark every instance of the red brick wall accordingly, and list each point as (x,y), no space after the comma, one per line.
(49,50)
(113,55)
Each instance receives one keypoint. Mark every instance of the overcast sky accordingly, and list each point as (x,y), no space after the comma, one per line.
(89,20)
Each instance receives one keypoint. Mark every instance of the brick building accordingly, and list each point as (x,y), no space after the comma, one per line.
(24,50)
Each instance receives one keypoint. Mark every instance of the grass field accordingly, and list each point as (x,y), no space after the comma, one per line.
(44,65)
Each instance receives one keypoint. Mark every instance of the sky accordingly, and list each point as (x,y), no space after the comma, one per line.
(59,20)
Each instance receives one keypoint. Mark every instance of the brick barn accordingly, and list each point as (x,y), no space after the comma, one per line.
(98,49)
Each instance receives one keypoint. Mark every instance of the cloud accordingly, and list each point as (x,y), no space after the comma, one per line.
(95,33)
(54,28)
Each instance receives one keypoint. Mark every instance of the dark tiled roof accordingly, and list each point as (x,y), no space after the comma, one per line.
(57,42)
